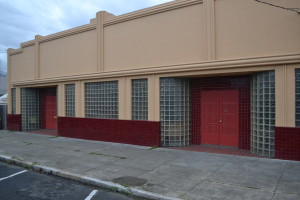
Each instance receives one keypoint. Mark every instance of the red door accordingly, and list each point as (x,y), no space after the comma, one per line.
(49,113)
(220,118)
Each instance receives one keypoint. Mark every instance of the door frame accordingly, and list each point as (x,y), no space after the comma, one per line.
(43,93)
(215,139)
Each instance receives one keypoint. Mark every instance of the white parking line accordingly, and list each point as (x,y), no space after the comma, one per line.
(21,172)
(91,195)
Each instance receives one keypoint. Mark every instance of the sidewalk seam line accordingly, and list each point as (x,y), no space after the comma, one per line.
(279,180)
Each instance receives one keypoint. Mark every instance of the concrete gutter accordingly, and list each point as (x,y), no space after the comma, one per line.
(86,180)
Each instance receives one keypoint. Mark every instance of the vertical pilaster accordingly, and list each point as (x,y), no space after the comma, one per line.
(37,56)
(78,100)
(122,98)
(18,100)
(290,95)
(9,86)
(209,30)
(100,41)
(128,99)
(82,99)
(151,99)
(281,93)
(156,97)
(61,100)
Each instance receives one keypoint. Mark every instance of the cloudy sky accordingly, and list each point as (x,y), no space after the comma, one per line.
(21,20)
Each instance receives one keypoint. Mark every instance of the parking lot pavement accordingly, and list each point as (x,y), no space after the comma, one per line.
(17,183)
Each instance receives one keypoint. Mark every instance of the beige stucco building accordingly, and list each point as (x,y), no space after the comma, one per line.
(218,72)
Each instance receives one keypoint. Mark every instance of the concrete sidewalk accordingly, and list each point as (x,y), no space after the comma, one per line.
(171,173)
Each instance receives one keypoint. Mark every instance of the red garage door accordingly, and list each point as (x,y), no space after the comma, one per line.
(220,118)
(49,113)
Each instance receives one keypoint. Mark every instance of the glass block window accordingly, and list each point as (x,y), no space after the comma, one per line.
(13,100)
(297,93)
(175,112)
(101,100)
(70,100)
(140,99)
(30,109)
(263,113)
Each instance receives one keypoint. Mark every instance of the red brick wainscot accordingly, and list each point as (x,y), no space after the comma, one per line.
(14,122)
(287,143)
(145,133)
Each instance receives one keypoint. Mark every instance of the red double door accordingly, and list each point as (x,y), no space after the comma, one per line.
(220,118)
(49,110)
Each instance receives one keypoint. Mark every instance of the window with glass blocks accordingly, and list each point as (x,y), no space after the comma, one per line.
(263,113)
(297,95)
(30,109)
(175,112)
(101,100)
(140,99)
(70,100)
(13,100)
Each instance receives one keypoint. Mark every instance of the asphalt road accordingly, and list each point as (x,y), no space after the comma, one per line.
(17,183)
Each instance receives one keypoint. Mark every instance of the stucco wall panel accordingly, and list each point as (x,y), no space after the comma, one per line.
(72,55)
(172,37)
(246,28)
(23,65)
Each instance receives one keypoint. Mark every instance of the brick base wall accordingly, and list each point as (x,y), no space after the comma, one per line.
(287,143)
(14,122)
(144,133)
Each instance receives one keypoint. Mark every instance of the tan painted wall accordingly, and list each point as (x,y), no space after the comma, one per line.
(246,28)
(244,36)
(165,36)
(23,65)
(168,38)
(72,55)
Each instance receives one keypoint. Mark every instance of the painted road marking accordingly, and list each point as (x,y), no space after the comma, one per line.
(91,195)
(21,172)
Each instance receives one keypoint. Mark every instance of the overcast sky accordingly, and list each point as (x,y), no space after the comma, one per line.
(21,20)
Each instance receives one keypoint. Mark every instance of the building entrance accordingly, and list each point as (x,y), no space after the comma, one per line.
(220,118)
(49,110)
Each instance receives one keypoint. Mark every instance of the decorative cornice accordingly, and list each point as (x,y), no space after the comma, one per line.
(73,31)
(42,39)
(12,52)
(27,44)
(212,65)
(151,11)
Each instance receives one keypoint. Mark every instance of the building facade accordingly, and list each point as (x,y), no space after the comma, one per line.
(187,72)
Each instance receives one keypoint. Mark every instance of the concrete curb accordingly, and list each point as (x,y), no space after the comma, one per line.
(86,180)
